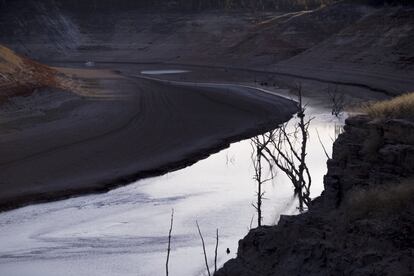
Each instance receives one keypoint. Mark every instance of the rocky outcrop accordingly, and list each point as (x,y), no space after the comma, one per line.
(338,236)
(369,153)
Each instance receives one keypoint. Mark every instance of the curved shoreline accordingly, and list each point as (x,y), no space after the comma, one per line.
(322,77)
(237,102)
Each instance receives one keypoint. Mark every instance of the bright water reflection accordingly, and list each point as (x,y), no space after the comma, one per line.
(124,232)
(163,72)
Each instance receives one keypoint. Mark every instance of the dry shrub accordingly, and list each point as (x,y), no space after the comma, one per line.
(401,107)
(383,199)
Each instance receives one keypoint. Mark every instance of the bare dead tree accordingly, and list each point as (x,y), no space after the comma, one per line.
(169,242)
(204,249)
(259,143)
(337,99)
(286,150)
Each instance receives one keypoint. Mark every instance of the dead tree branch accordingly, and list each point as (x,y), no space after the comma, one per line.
(215,251)
(337,100)
(259,143)
(204,249)
(323,146)
(169,242)
(286,149)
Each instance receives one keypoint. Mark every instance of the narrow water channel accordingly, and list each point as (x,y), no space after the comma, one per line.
(124,232)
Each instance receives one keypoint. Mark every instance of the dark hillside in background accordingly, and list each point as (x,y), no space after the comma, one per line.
(382,2)
(175,5)
(346,42)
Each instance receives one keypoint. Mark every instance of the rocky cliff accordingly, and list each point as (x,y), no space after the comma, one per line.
(370,153)
(363,222)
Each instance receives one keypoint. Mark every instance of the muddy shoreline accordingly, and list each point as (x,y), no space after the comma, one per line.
(110,184)
(264,121)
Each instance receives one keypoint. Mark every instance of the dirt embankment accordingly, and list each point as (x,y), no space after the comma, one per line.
(19,75)
(363,222)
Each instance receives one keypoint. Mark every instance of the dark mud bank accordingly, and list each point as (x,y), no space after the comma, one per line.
(363,222)
(172,129)
(110,184)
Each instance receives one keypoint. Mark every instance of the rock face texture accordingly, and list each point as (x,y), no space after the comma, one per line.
(370,153)
(342,233)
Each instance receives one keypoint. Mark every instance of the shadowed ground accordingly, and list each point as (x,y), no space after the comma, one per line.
(116,129)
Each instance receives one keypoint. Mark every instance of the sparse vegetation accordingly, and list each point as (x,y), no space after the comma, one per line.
(169,242)
(401,107)
(337,99)
(380,199)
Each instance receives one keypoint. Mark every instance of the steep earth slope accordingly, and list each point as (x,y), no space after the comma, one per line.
(19,75)
(376,51)
(212,37)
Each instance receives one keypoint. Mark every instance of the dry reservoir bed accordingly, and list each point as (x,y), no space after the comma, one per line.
(114,130)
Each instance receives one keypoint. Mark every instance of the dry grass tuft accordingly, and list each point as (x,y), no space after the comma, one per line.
(384,199)
(9,61)
(401,107)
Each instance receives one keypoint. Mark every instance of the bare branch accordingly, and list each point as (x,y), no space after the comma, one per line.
(169,242)
(204,249)
(323,146)
(251,222)
(338,101)
(215,251)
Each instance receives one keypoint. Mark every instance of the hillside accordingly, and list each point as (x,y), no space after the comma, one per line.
(346,42)
(19,75)
(186,5)
(376,51)
(74,32)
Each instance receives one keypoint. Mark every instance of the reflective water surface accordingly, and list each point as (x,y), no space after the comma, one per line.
(124,232)
(163,72)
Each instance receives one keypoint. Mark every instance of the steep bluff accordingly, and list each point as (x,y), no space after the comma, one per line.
(370,153)
(362,223)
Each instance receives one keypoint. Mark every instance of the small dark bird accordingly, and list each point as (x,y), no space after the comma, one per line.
(228,251)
